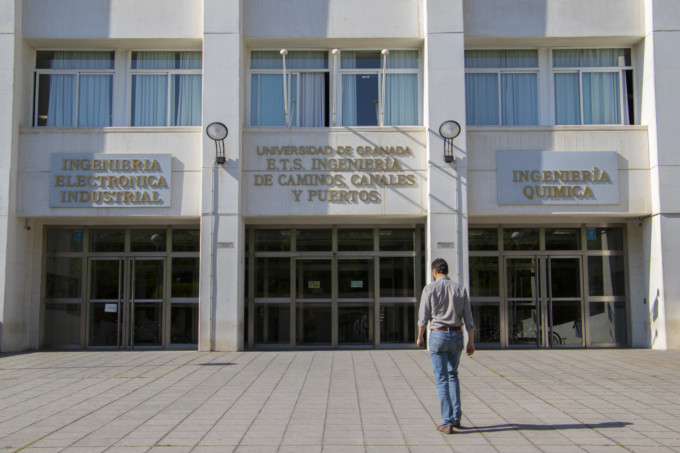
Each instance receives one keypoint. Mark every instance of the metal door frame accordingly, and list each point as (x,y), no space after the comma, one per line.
(543,298)
(126,301)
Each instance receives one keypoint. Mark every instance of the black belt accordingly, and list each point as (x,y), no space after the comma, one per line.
(454,328)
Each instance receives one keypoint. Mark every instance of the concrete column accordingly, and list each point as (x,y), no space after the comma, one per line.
(222,232)
(660,110)
(445,100)
(16,311)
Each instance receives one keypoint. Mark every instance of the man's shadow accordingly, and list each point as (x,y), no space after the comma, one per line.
(531,427)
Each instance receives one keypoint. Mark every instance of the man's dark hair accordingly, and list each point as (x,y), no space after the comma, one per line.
(440,266)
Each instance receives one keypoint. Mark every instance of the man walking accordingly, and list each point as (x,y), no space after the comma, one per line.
(446,305)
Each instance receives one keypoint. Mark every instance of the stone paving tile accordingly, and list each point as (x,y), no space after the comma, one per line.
(559,401)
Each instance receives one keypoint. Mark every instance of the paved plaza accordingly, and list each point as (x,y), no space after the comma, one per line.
(341,401)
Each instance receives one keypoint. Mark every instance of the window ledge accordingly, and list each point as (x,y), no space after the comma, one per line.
(307,130)
(112,130)
(574,128)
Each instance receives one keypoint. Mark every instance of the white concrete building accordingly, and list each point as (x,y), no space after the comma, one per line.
(122,226)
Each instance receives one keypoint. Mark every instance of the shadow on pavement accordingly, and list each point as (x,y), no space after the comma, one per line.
(531,427)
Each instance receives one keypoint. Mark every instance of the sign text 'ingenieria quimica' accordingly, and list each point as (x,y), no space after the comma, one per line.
(551,177)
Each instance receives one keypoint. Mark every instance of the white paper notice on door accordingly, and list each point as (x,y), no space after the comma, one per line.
(110,308)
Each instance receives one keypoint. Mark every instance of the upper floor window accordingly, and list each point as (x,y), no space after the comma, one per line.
(73,88)
(501,87)
(523,87)
(166,88)
(352,88)
(593,86)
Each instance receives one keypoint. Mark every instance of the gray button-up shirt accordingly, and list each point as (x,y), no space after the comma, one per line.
(446,304)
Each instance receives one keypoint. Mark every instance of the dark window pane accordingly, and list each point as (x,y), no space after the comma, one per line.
(62,325)
(355,323)
(563,239)
(107,240)
(482,239)
(184,324)
(397,323)
(186,240)
(147,240)
(606,276)
(313,279)
(355,240)
(314,324)
(487,322)
(521,239)
(272,277)
(484,276)
(313,240)
(272,323)
(397,240)
(355,278)
(64,241)
(397,277)
(63,278)
(608,323)
(605,239)
(185,277)
(272,240)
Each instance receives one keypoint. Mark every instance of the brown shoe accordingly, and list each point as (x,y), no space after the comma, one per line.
(456,423)
(446,429)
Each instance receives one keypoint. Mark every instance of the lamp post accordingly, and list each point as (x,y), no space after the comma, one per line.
(449,130)
(217,132)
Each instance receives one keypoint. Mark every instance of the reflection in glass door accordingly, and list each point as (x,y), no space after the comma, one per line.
(544,301)
(565,302)
(523,301)
(356,303)
(125,302)
(313,297)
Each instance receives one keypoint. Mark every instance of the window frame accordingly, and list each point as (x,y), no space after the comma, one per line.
(334,85)
(290,74)
(580,70)
(169,73)
(37,72)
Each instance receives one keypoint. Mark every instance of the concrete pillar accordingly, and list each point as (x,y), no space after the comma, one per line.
(445,100)
(222,232)
(660,109)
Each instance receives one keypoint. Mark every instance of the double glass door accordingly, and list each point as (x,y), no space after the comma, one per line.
(125,302)
(544,301)
(334,311)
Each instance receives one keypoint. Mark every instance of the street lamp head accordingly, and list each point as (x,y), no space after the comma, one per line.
(449,130)
(218,132)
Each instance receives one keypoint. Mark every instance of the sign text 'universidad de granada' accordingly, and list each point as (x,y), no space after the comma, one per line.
(110,180)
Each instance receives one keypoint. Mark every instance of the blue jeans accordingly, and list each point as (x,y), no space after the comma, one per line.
(445,350)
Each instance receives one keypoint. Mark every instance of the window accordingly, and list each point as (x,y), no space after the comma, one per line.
(593,86)
(364,100)
(501,87)
(73,88)
(356,88)
(166,89)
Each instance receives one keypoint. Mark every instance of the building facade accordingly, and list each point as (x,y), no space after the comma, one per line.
(238,174)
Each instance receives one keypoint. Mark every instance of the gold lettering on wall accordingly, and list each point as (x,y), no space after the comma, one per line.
(340,174)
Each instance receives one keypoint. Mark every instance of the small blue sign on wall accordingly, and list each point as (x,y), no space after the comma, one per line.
(78,236)
(591,233)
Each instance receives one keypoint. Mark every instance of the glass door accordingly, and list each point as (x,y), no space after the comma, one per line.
(313,302)
(523,296)
(356,302)
(565,302)
(125,302)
